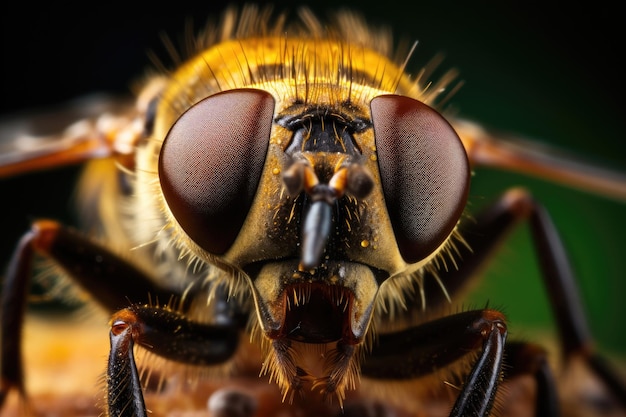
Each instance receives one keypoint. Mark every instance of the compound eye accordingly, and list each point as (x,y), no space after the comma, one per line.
(424,172)
(211,163)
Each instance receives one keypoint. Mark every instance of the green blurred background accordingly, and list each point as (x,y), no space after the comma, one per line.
(547,72)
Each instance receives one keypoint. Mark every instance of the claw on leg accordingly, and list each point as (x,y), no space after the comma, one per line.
(124,395)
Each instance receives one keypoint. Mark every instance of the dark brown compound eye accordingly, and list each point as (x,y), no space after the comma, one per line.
(424,172)
(211,163)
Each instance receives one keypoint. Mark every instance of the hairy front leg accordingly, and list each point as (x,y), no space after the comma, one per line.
(420,350)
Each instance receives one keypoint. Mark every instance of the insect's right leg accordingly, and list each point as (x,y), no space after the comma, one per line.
(114,283)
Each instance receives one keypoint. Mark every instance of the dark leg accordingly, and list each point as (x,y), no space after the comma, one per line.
(491,228)
(124,393)
(576,339)
(114,283)
(166,333)
(436,344)
(488,232)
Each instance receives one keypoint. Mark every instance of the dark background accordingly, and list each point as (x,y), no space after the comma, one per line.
(548,72)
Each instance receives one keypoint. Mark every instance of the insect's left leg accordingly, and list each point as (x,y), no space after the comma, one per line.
(484,236)
(558,277)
